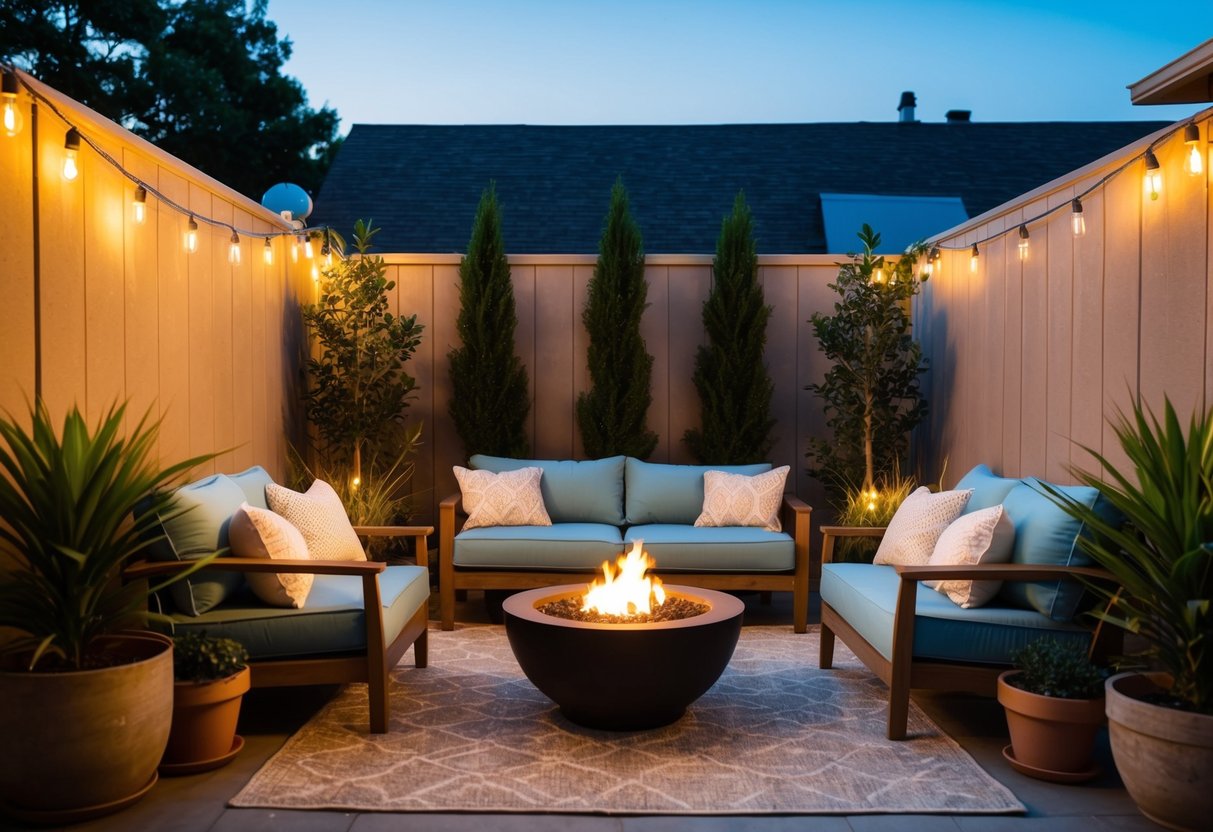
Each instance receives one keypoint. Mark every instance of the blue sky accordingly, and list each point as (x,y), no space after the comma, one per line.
(729,61)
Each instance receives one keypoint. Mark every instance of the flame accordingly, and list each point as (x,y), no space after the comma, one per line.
(624,589)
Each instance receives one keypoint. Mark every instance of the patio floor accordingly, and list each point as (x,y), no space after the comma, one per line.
(193,804)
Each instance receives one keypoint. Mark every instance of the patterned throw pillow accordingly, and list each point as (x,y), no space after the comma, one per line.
(259,533)
(508,498)
(740,500)
(320,516)
(917,525)
(985,536)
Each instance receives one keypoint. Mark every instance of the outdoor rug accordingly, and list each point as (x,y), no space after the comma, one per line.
(775,735)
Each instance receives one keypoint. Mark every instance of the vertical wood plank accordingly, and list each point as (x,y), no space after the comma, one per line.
(17,339)
(1034,324)
(414,295)
(141,349)
(1060,322)
(259,424)
(448,447)
(222,351)
(581,343)
(1122,243)
(104,303)
(779,288)
(688,287)
(1012,350)
(241,364)
(1086,412)
(202,335)
(173,318)
(523,279)
(990,315)
(813,294)
(554,360)
(655,330)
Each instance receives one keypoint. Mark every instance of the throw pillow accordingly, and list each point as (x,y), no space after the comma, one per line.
(738,500)
(508,498)
(259,533)
(985,536)
(320,516)
(917,525)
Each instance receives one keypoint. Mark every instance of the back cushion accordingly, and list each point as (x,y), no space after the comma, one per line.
(585,491)
(659,493)
(1045,534)
(988,489)
(253,482)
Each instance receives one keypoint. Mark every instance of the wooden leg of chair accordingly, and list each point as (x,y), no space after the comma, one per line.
(800,608)
(446,604)
(421,649)
(899,709)
(902,661)
(825,655)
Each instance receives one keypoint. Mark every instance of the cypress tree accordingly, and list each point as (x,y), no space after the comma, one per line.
(612,414)
(489,388)
(733,383)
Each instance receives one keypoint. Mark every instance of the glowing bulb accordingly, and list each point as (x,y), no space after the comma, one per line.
(356,481)
(233,251)
(879,276)
(1077,224)
(327,251)
(927,268)
(973,257)
(307,247)
(315,273)
(269,253)
(1195,162)
(10,113)
(295,251)
(1023,242)
(191,236)
(1153,177)
(140,204)
(933,261)
(71,149)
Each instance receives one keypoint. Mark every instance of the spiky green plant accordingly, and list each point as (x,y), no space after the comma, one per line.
(1162,556)
(871,507)
(66,501)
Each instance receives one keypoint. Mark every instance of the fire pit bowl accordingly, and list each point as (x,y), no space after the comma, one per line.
(622,677)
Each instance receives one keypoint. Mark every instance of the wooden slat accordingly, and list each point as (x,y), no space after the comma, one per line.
(173,315)
(689,287)
(17,343)
(1086,369)
(779,288)
(414,295)
(552,382)
(260,421)
(202,334)
(1012,351)
(1034,381)
(1060,323)
(581,342)
(448,447)
(223,330)
(141,295)
(523,279)
(242,368)
(655,330)
(1122,297)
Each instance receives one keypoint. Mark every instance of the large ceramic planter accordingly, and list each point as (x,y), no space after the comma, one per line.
(1165,756)
(204,724)
(1051,738)
(82,743)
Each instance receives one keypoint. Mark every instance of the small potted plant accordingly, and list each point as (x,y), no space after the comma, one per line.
(1055,707)
(211,677)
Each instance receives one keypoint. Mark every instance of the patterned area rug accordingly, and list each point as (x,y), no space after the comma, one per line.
(775,735)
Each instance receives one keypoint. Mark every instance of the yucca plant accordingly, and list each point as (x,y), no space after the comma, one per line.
(1162,556)
(66,503)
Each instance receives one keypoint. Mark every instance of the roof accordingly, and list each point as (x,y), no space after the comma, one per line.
(420,183)
(901,220)
(1186,80)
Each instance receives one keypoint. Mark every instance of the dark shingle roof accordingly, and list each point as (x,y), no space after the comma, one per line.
(421,183)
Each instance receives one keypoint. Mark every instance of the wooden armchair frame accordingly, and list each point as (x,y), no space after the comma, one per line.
(796,520)
(380,657)
(903,672)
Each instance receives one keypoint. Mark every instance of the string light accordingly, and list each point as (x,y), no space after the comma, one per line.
(326,251)
(295,250)
(878,277)
(140,204)
(268,253)
(1023,242)
(191,236)
(1077,223)
(307,247)
(934,259)
(10,113)
(974,254)
(1194,164)
(1153,179)
(71,149)
(233,250)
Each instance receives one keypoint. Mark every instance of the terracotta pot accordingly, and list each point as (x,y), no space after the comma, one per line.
(1165,756)
(1048,733)
(87,738)
(204,718)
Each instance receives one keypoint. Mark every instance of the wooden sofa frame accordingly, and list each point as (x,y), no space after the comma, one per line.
(371,667)
(903,672)
(451,579)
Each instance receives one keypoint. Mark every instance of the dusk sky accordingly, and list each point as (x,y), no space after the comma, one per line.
(728,61)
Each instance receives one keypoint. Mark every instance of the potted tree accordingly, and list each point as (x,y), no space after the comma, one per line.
(1055,708)
(211,676)
(87,703)
(1160,724)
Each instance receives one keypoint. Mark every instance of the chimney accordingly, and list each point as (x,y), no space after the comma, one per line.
(958,116)
(905,109)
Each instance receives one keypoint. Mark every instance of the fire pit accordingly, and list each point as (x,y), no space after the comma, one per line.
(623,676)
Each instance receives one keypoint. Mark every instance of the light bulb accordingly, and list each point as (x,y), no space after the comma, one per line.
(10,113)
(1023,242)
(269,253)
(934,261)
(140,204)
(1077,224)
(1153,177)
(927,268)
(191,236)
(233,251)
(327,252)
(307,247)
(315,273)
(1194,164)
(295,250)
(973,257)
(878,277)
(71,149)
(356,481)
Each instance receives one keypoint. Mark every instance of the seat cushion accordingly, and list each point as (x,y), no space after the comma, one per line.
(574,491)
(691,548)
(659,493)
(571,546)
(252,482)
(988,489)
(865,596)
(332,621)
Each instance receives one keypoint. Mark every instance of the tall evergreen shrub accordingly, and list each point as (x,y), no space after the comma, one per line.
(730,376)
(489,388)
(612,414)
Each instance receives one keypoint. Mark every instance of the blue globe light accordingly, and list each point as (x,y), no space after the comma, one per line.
(288,197)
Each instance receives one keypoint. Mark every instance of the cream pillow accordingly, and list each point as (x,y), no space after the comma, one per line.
(258,533)
(985,536)
(917,525)
(740,500)
(320,516)
(508,498)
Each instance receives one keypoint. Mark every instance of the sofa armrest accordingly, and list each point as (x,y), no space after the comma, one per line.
(830,533)
(796,521)
(420,535)
(153,569)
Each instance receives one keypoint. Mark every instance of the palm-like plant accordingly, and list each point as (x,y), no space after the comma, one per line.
(66,502)
(1162,556)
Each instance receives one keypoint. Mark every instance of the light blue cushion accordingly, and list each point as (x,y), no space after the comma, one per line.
(196,525)
(253,482)
(585,491)
(572,546)
(331,621)
(1045,534)
(718,549)
(659,493)
(865,595)
(989,490)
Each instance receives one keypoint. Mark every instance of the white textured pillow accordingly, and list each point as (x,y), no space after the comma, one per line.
(740,500)
(917,525)
(508,498)
(258,533)
(985,536)
(320,516)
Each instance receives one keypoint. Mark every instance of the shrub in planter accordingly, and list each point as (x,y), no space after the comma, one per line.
(211,677)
